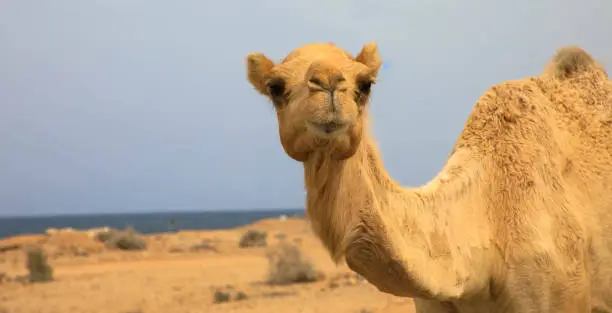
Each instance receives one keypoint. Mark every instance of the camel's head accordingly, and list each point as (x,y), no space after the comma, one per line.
(320,93)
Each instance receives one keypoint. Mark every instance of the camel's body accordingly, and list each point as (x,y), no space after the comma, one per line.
(519,219)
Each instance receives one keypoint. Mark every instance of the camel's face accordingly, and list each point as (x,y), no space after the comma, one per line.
(320,93)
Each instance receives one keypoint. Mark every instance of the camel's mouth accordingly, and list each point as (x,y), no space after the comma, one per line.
(327,130)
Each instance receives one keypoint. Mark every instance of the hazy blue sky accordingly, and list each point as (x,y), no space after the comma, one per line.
(115,105)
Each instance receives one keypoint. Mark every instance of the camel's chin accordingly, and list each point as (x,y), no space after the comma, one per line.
(340,148)
(337,148)
(343,154)
(343,150)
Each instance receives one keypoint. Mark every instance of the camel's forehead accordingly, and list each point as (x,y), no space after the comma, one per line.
(297,62)
(318,51)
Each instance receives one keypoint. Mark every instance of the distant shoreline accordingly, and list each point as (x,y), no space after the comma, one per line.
(234,210)
(145,223)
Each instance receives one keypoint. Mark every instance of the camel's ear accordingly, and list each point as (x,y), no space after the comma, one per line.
(259,68)
(370,57)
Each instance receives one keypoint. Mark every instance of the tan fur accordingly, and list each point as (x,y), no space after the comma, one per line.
(519,219)
(571,61)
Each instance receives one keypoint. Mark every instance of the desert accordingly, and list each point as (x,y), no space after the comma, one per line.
(271,265)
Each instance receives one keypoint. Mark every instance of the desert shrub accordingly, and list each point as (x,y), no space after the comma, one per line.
(221,296)
(253,238)
(240,296)
(104,236)
(127,239)
(38,267)
(288,265)
(228,294)
(9,247)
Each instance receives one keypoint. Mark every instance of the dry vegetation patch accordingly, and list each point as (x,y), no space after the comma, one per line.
(288,265)
(228,294)
(201,246)
(38,268)
(253,238)
(127,239)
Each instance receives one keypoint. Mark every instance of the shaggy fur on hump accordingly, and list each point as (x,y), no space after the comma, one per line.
(572,61)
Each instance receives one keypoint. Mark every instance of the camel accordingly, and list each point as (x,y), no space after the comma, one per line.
(519,219)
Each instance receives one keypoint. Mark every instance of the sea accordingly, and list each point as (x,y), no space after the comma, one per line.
(145,223)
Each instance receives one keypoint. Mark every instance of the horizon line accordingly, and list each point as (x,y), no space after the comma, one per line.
(230,210)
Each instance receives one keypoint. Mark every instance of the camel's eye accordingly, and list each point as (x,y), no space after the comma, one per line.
(362,91)
(364,87)
(276,88)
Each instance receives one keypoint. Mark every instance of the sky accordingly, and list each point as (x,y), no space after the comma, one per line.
(136,106)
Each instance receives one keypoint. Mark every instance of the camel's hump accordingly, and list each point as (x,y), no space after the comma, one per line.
(570,61)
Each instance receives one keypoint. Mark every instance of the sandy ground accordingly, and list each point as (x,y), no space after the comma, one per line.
(169,277)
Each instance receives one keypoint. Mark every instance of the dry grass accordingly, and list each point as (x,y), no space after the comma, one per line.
(253,238)
(38,267)
(127,239)
(228,295)
(287,265)
(220,296)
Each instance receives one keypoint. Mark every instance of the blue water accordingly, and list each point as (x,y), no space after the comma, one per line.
(145,223)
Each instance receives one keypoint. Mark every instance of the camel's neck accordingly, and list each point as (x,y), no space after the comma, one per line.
(338,192)
(390,234)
